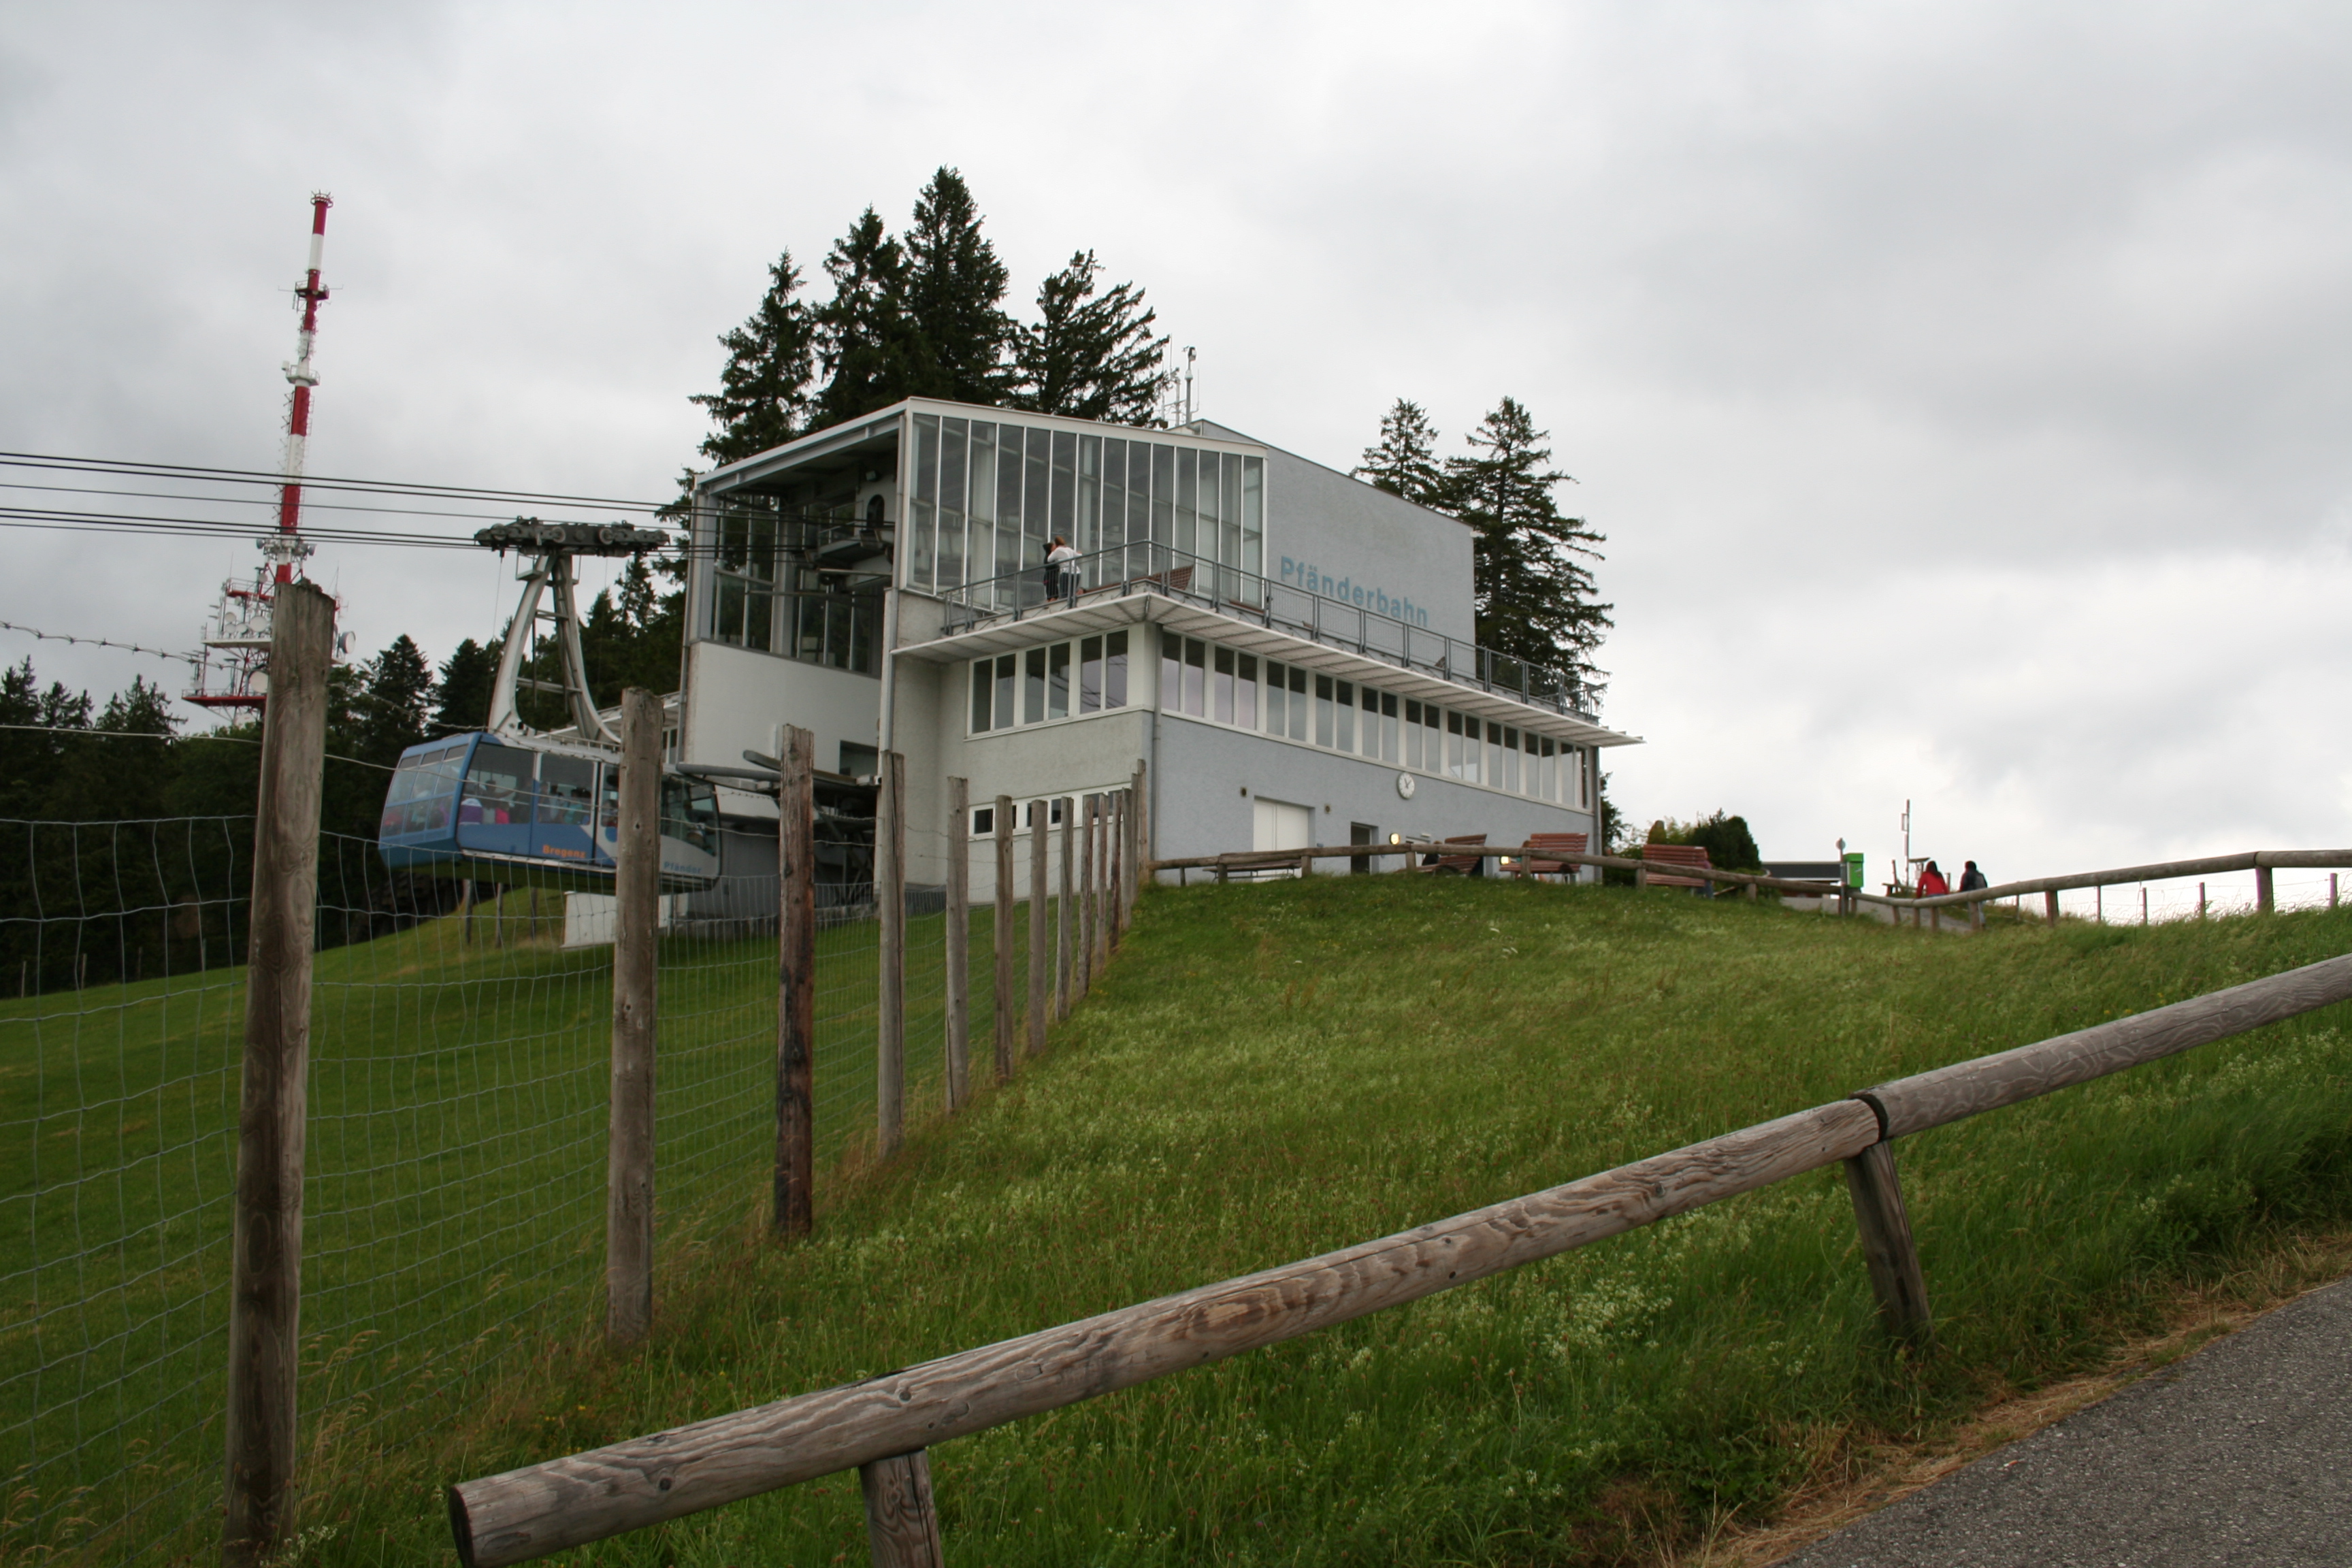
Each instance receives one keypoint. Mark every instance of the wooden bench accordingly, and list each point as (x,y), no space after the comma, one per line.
(1693,855)
(1459,865)
(1560,843)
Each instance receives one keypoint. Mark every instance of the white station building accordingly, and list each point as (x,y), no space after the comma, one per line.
(1289,651)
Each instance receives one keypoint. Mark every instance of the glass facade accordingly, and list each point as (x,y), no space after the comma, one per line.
(1227,686)
(768,595)
(985,500)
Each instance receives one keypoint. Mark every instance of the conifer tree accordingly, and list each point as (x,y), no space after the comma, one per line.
(954,296)
(1404,463)
(465,688)
(763,396)
(865,339)
(1535,595)
(392,703)
(1089,356)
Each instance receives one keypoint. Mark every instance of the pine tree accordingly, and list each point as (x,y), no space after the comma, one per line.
(1404,463)
(1535,595)
(955,291)
(1090,357)
(465,688)
(866,340)
(393,702)
(763,396)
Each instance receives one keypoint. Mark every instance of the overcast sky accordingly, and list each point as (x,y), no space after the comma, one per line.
(1963,389)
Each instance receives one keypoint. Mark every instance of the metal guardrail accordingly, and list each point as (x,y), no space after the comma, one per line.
(1230,591)
(883,1425)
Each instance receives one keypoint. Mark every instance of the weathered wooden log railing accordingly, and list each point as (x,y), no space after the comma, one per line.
(2262,862)
(884,1425)
(1287,859)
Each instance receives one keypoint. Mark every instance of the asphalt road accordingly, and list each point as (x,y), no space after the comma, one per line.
(2241,1453)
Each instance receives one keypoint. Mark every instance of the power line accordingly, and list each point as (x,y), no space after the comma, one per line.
(100,642)
(141,470)
(307,506)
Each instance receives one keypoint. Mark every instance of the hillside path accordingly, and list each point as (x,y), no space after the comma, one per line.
(2239,1454)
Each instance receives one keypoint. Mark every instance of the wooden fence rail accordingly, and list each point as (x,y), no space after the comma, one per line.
(2260,861)
(882,1425)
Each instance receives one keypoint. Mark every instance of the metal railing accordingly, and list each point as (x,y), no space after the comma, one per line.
(1246,596)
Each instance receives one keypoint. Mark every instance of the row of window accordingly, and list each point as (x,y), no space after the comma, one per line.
(984,498)
(1036,684)
(1090,674)
(1239,689)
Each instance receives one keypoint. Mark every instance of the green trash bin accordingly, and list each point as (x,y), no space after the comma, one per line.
(1854,870)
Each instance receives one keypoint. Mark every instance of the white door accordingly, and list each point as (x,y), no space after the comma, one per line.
(1278,825)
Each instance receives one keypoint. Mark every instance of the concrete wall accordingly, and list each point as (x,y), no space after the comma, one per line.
(1205,769)
(736,697)
(1359,545)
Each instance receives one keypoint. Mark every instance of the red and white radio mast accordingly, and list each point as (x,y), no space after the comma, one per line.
(240,631)
(288,547)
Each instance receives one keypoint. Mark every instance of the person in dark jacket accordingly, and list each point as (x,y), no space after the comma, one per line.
(1971,878)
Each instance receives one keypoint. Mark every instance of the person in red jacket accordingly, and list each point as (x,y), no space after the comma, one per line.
(1932,883)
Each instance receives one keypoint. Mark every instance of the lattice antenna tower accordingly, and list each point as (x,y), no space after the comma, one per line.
(239,629)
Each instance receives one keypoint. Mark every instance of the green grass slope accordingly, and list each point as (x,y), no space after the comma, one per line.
(1270,1071)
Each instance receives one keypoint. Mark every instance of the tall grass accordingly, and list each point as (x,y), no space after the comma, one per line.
(1270,1071)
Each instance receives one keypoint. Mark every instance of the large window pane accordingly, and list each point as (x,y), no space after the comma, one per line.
(1229,510)
(1008,509)
(1195,677)
(980,560)
(1036,500)
(1114,505)
(925,487)
(1065,486)
(731,610)
(1454,745)
(1221,689)
(1004,691)
(1277,700)
(1297,703)
(1322,709)
(951,504)
(1115,671)
(1253,515)
(1089,539)
(1138,506)
(1245,693)
(1412,735)
(982,678)
(1343,713)
(1163,504)
(1057,681)
(1187,500)
(1389,727)
(1172,673)
(1033,686)
(1090,675)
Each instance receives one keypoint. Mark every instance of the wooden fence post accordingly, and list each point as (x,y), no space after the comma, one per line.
(1887,1247)
(959,935)
(1041,940)
(2050,905)
(1062,911)
(266,1262)
(2262,899)
(636,928)
(1086,896)
(1003,938)
(795,1201)
(1118,867)
(1102,882)
(902,1523)
(890,1009)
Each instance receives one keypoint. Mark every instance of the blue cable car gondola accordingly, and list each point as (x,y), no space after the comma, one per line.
(484,806)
